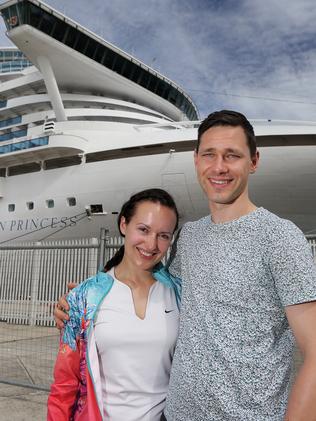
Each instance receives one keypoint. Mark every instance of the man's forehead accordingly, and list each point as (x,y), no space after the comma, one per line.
(225,136)
(221,147)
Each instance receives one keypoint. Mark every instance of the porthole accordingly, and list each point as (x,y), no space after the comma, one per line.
(11,207)
(50,203)
(30,205)
(71,201)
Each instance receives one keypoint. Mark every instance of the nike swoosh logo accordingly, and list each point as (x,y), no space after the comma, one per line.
(168,311)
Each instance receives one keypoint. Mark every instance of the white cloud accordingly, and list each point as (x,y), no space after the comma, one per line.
(249,48)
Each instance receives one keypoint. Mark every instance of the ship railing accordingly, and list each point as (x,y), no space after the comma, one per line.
(169,125)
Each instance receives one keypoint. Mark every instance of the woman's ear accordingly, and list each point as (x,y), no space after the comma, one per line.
(123,225)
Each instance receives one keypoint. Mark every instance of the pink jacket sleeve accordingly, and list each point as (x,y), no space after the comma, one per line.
(65,387)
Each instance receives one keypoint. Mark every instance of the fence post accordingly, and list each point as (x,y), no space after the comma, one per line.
(93,257)
(35,275)
(104,241)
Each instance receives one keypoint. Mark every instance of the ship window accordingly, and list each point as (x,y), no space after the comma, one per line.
(109,58)
(50,203)
(71,201)
(11,207)
(92,47)
(99,54)
(24,168)
(35,15)
(82,43)
(144,79)
(67,161)
(41,141)
(47,23)
(12,135)
(118,65)
(71,36)
(30,205)
(10,121)
(96,208)
(2,172)
(153,83)
(59,30)
(129,69)
(160,88)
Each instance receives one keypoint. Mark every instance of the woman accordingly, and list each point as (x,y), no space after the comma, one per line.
(116,348)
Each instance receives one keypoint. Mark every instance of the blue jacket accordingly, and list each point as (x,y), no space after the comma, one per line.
(76,390)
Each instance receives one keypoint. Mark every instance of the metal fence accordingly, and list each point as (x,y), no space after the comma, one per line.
(32,277)
(312,242)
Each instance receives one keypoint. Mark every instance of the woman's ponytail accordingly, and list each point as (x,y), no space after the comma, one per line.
(115,260)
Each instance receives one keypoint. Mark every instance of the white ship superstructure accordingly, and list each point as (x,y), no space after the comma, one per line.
(89,124)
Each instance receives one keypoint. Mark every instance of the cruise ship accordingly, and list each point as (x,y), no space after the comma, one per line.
(83,125)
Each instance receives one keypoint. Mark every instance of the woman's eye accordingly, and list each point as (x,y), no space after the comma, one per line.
(165,237)
(143,229)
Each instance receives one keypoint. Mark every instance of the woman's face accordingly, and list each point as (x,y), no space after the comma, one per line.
(148,234)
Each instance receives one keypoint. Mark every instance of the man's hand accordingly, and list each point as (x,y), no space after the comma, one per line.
(62,307)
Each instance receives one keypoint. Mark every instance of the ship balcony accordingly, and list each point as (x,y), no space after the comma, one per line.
(41,148)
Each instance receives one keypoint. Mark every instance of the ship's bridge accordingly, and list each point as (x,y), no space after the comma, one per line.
(80,59)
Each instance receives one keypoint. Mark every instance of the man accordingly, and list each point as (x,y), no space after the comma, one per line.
(249,281)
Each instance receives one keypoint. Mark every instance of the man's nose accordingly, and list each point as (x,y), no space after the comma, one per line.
(220,165)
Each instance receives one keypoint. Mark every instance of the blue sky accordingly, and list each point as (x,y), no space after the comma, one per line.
(258,57)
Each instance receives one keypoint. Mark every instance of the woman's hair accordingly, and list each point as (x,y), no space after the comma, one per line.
(128,211)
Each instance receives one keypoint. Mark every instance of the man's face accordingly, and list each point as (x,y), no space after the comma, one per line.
(223,164)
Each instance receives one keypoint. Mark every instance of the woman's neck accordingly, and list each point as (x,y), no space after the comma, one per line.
(132,276)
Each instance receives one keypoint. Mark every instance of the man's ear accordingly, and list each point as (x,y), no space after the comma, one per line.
(195,157)
(254,162)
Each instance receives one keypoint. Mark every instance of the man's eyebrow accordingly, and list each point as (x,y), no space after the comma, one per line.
(225,150)
(233,150)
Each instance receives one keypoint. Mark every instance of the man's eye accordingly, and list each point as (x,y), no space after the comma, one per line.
(232,156)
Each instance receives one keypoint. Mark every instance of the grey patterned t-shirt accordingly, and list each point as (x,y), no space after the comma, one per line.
(233,358)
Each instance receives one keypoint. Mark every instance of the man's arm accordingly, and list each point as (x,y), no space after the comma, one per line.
(302,401)
(62,307)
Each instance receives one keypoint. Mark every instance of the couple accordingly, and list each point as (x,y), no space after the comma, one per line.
(248,284)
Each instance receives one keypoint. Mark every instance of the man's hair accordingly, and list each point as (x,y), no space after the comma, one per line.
(229,118)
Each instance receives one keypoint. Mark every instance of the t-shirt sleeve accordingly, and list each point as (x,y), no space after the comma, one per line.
(292,266)
(174,261)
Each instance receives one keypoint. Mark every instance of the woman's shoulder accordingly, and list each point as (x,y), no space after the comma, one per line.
(90,289)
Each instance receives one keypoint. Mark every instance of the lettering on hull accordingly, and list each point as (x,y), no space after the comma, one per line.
(29,225)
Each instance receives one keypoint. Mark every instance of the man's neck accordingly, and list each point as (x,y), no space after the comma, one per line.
(230,211)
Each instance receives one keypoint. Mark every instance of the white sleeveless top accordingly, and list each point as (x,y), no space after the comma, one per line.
(135,355)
